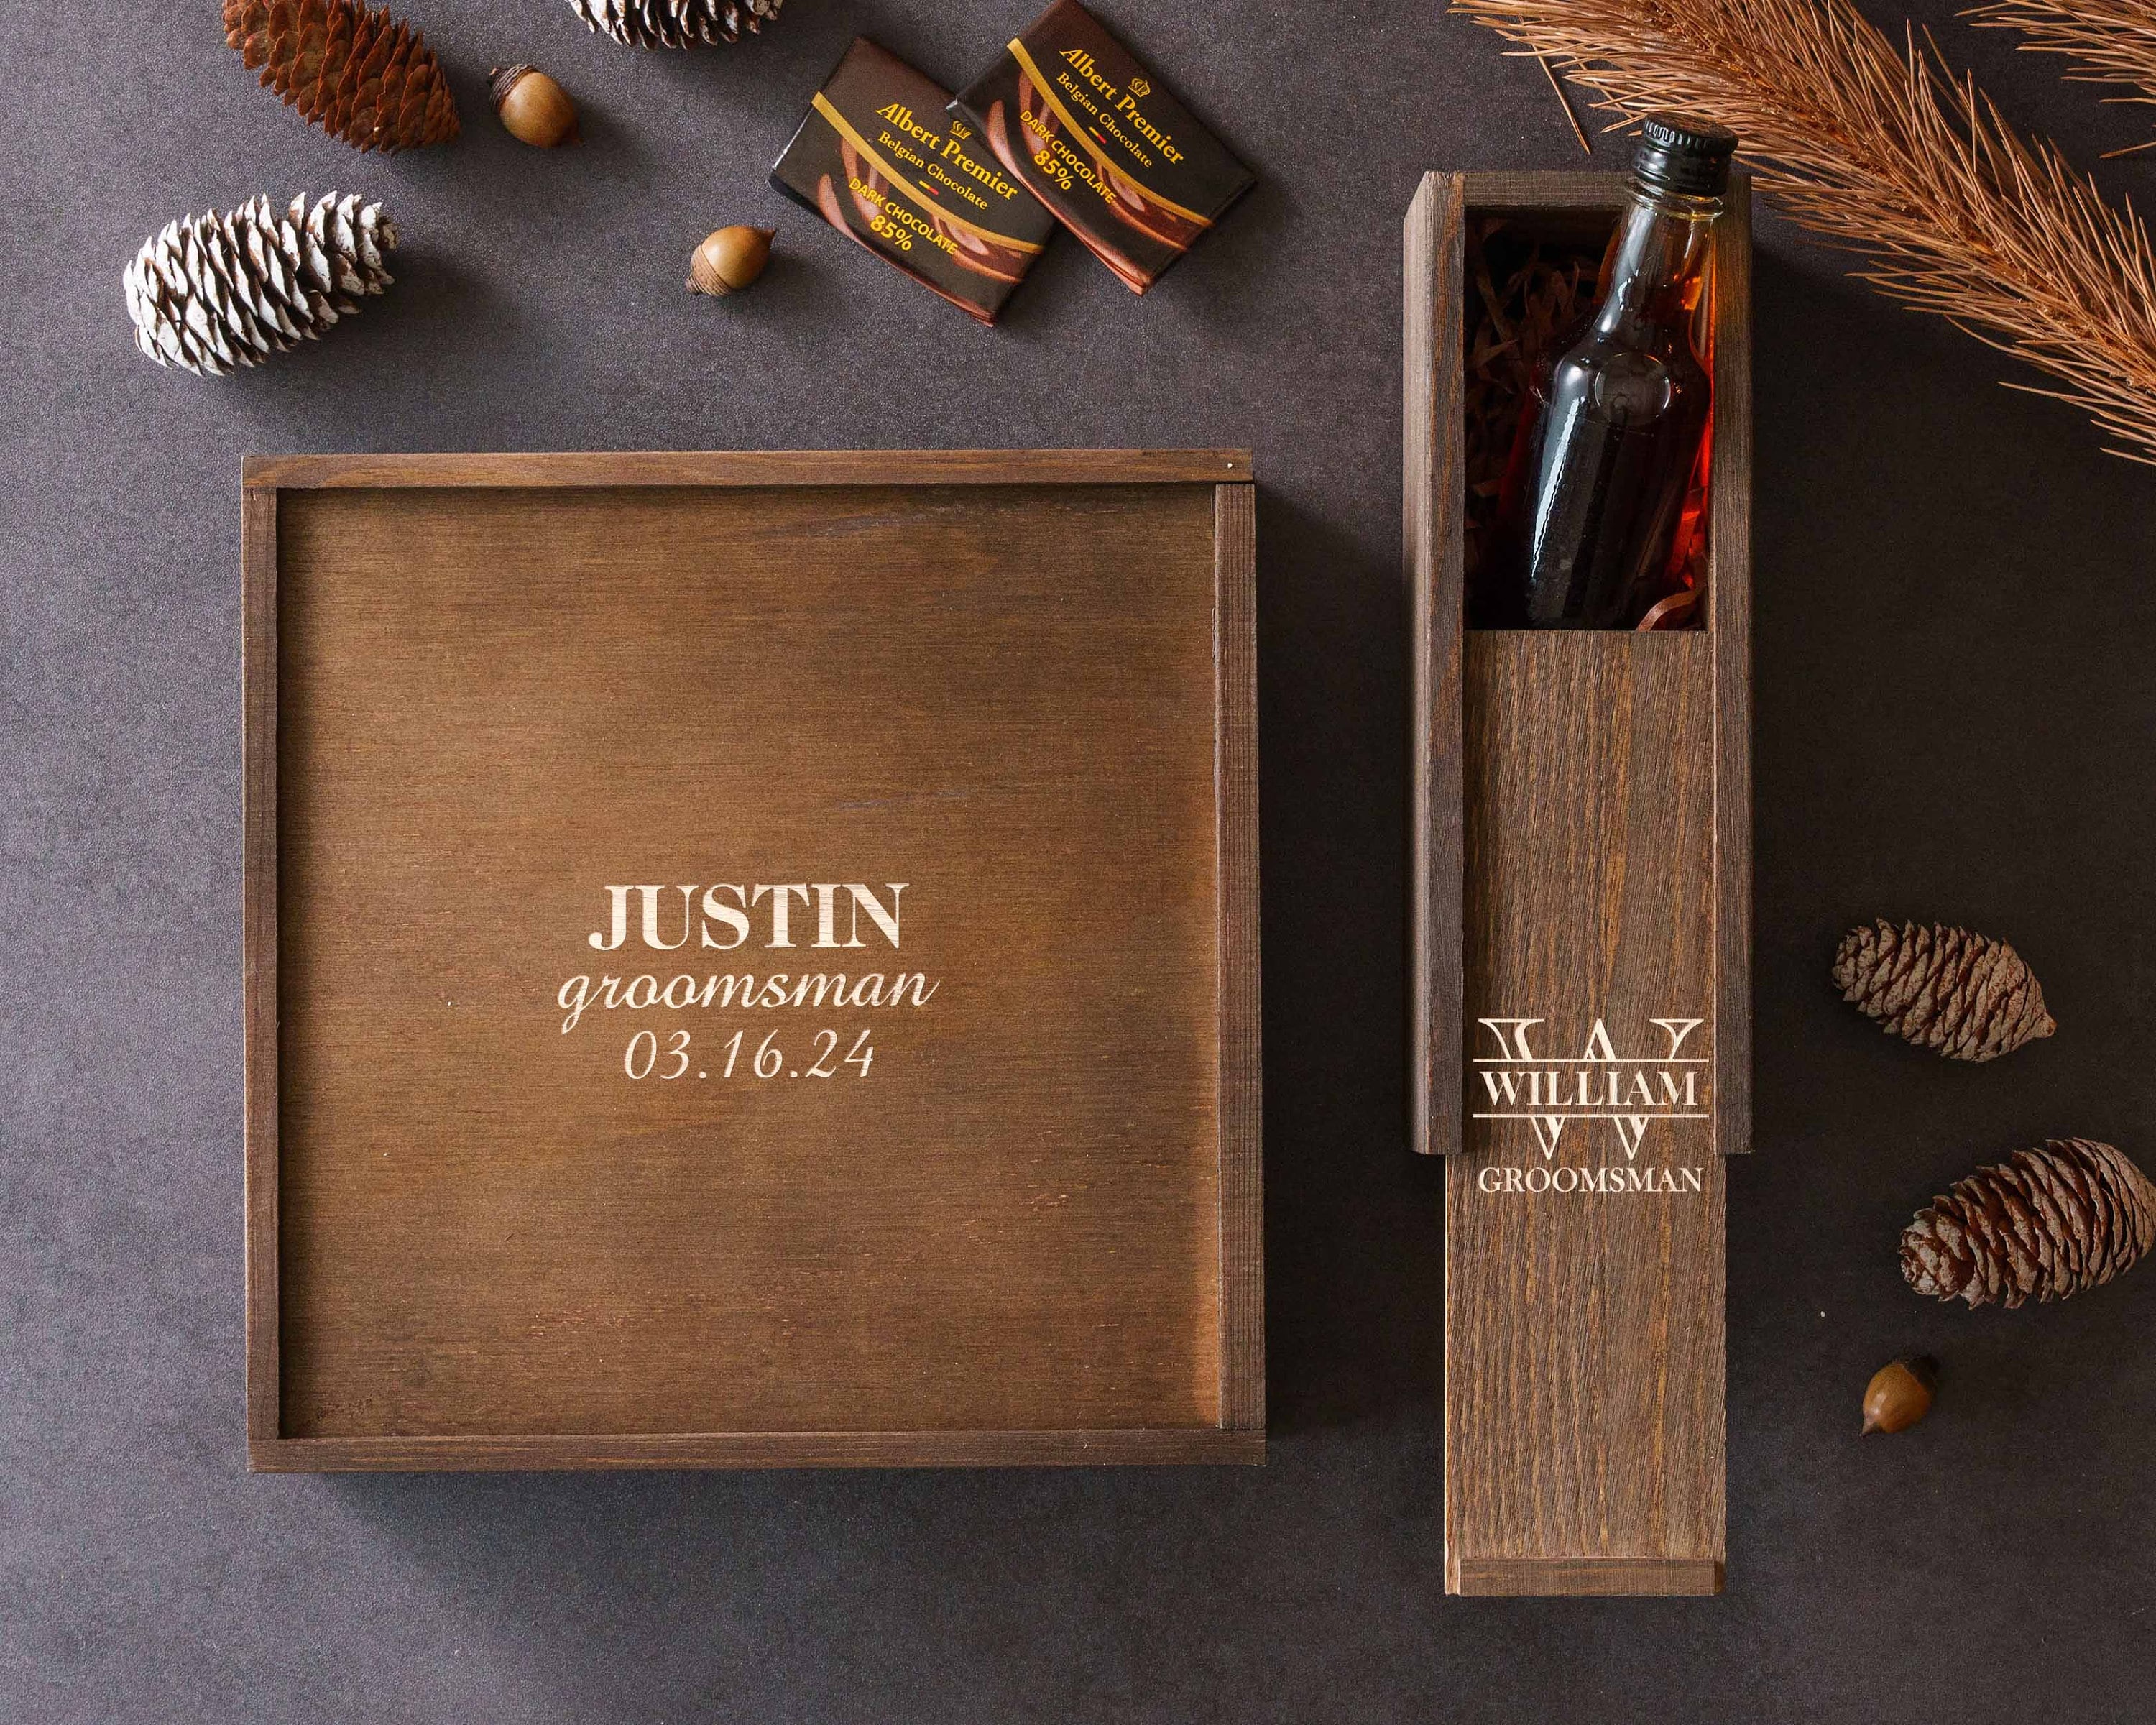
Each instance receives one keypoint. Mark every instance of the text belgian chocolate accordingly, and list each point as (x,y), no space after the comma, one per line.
(1078,121)
(877,158)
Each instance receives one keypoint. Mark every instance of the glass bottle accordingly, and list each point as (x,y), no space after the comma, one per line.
(1611,430)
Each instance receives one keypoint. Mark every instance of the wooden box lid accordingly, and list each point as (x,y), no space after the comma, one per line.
(752,960)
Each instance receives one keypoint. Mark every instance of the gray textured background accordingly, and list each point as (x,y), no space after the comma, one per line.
(1954,721)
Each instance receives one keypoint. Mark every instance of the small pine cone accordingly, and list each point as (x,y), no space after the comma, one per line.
(675,24)
(1969,997)
(213,293)
(360,75)
(2045,1223)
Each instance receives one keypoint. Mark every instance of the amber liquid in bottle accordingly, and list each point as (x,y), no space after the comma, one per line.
(1609,437)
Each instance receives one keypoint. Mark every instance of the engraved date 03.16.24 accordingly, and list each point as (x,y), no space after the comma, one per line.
(647,1057)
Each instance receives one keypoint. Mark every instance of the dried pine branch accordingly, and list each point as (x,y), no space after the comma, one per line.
(2109,41)
(1879,149)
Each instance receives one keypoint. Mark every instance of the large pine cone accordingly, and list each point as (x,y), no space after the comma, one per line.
(1969,997)
(675,24)
(213,293)
(2048,1223)
(358,74)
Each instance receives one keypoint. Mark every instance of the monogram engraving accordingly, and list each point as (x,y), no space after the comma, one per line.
(1631,1092)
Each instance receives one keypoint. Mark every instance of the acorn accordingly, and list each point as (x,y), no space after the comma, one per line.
(534,109)
(1899,1394)
(729,260)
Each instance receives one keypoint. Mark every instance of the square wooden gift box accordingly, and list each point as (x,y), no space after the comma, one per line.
(1581,1019)
(752,960)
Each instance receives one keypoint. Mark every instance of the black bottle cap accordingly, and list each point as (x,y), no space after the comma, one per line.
(1688,157)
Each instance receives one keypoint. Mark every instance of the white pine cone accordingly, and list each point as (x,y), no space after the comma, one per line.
(675,24)
(214,292)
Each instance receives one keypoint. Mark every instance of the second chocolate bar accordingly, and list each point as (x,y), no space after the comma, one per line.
(1074,117)
(922,196)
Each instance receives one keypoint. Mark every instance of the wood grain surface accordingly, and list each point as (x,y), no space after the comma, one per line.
(1030,1232)
(1581,859)
(1583,1329)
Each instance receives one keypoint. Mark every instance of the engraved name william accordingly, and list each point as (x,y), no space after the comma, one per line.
(1551,1091)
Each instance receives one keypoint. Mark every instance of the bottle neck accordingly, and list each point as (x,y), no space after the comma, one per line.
(1655,268)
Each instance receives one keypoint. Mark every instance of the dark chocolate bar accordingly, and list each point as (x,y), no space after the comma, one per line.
(878,158)
(1072,115)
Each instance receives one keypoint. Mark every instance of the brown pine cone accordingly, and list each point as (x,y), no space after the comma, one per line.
(2050,1222)
(360,75)
(1967,996)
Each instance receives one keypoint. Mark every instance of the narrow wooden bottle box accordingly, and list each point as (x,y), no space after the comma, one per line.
(1581,1026)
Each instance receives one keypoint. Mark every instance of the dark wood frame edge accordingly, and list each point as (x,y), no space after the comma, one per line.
(1583,1577)
(1239,1438)
(1435,581)
(1125,1448)
(755,467)
(1729,598)
(259,919)
(1240,1106)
